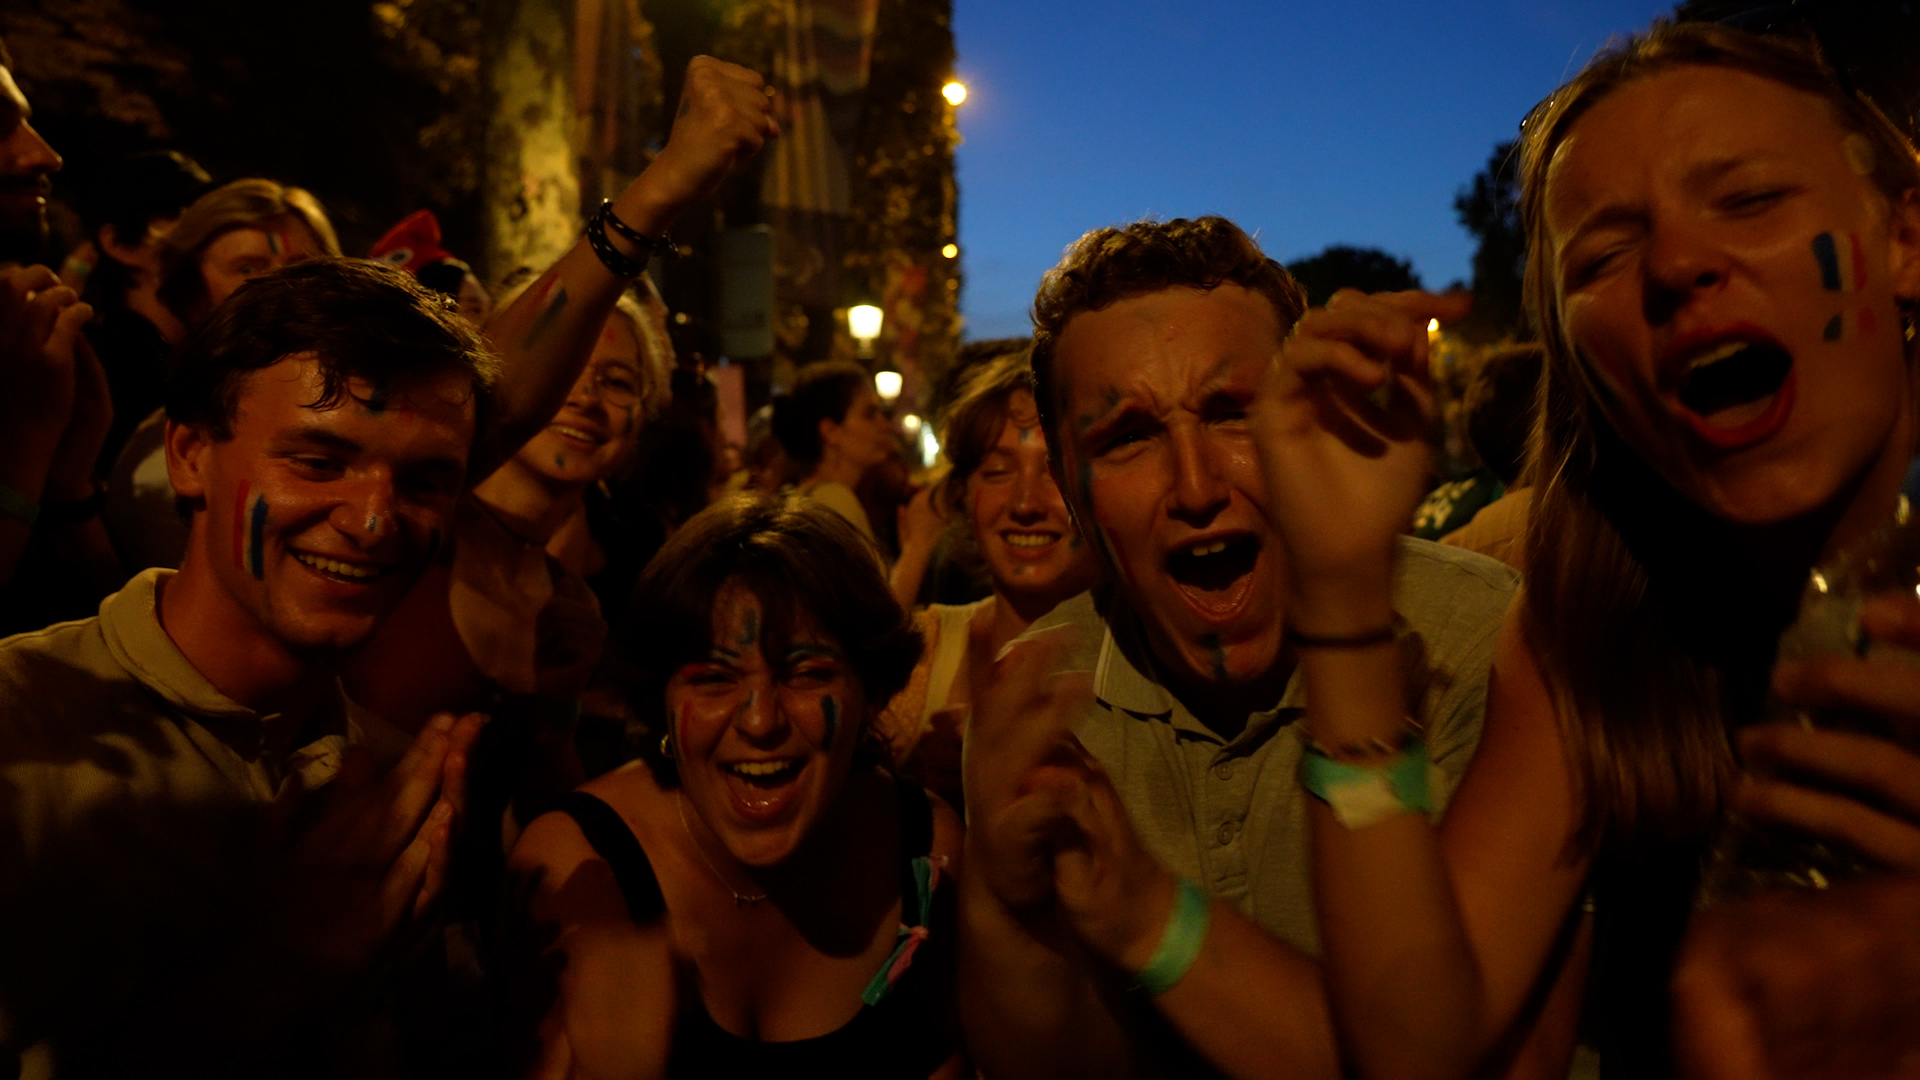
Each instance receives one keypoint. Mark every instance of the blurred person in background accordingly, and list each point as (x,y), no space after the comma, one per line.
(413,245)
(1005,514)
(833,429)
(1498,413)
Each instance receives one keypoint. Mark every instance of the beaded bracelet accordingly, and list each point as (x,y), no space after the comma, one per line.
(619,264)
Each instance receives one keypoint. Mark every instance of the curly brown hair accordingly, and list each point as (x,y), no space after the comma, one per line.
(1112,264)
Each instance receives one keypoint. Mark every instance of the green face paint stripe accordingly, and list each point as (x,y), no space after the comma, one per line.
(257,537)
(830,709)
(376,402)
(751,632)
(1832,332)
(1212,642)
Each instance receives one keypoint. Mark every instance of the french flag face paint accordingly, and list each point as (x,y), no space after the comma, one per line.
(830,709)
(1843,271)
(250,531)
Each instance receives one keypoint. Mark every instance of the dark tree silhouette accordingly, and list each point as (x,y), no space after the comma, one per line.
(1489,208)
(1345,267)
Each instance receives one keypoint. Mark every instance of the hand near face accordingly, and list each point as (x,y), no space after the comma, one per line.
(1879,814)
(1345,469)
(70,478)
(40,322)
(373,862)
(1799,984)
(725,117)
(921,521)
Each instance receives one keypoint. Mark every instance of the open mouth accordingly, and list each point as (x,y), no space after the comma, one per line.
(1737,378)
(765,773)
(1216,574)
(341,571)
(577,436)
(762,790)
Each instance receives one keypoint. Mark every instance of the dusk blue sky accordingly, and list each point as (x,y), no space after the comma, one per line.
(1312,123)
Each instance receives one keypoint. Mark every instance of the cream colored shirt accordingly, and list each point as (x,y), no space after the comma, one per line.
(1229,813)
(132,794)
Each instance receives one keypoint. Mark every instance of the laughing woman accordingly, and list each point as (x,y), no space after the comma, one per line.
(1725,244)
(756,895)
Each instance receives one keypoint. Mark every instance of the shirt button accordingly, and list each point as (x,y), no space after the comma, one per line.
(1227,831)
(1223,771)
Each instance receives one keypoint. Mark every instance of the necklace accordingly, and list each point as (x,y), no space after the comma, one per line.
(739,899)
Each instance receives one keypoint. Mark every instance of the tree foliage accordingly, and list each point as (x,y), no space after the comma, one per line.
(1489,208)
(1342,266)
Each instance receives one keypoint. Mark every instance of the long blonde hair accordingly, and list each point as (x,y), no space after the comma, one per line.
(1639,670)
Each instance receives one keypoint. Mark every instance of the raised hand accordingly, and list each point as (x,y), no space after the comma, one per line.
(40,322)
(1342,427)
(1112,894)
(1876,809)
(725,117)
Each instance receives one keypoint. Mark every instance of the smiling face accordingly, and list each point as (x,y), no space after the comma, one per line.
(317,521)
(763,743)
(1161,467)
(864,438)
(26,164)
(591,434)
(240,254)
(1729,274)
(1020,522)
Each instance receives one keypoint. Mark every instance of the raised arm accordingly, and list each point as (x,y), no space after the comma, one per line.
(1436,942)
(544,337)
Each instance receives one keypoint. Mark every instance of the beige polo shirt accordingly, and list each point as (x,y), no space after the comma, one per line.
(131,801)
(1230,813)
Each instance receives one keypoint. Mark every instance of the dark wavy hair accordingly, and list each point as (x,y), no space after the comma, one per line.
(822,391)
(356,317)
(808,568)
(1112,264)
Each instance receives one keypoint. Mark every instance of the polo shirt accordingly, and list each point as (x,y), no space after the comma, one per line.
(1229,813)
(132,795)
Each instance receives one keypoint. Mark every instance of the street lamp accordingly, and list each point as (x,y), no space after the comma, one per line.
(955,92)
(863,321)
(887,383)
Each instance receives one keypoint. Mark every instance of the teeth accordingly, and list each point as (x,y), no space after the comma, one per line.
(340,569)
(1214,548)
(1029,540)
(760,768)
(574,433)
(1714,356)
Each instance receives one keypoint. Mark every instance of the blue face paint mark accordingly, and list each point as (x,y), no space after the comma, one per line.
(377,399)
(831,710)
(1832,332)
(1827,254)
(750,633)
(559,461)
(373,524)
(257,537)
(1212,642)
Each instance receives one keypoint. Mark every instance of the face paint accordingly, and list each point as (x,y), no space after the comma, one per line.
(1026,435)
(1212,643)
(560,461)
(751,632)
(250,531)
(1829,260)
(373,524)
(275,244)
(1848,275)
(830,709)
(376,401)
(543,323)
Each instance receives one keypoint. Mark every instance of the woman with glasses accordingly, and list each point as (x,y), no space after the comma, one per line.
(1724,255)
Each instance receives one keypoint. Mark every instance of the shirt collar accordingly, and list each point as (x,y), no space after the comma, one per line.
(1120,682)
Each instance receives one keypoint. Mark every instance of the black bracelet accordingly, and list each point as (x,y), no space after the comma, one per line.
(625,267)
(1379,635)
(661,245)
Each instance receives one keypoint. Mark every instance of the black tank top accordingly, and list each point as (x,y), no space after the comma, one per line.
(905,1027)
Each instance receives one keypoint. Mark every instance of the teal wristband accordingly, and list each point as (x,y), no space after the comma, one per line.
(1180,944)
(1361,795)
(15,505)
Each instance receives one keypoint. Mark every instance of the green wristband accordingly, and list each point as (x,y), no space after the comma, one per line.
(1180,943)
(1362,795)
(15,505)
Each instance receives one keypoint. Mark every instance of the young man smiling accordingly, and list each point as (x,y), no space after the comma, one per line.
(195,872)
(1166,849)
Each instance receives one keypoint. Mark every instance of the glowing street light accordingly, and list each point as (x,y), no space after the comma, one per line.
(950,251)
(887,383)
(863,321)
(955,92)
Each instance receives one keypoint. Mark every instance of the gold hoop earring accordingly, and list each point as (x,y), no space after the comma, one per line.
(666,745)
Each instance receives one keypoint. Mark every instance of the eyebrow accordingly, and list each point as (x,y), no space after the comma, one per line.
(314,434)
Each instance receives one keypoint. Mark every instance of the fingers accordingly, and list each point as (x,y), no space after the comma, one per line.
(401,887)
(1885,831)
(1019,716)
(1878,685)
(453,773)
(439,833)
(412,787)
(1893,618)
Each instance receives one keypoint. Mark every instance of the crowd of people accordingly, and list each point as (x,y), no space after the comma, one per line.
(365,715)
